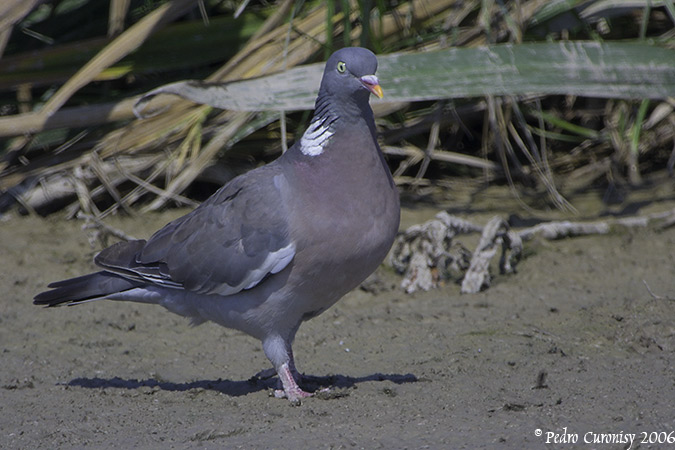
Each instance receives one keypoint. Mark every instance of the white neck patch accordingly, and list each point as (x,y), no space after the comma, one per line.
(315,139)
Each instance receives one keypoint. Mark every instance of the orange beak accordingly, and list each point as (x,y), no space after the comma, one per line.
(371,83)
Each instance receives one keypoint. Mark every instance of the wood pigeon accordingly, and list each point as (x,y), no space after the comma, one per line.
(275,246)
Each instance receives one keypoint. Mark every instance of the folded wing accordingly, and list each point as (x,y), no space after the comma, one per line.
(231,242)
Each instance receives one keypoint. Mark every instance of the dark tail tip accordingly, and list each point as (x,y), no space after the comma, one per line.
(77,290)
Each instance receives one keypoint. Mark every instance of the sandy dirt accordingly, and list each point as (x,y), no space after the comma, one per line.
(573,343)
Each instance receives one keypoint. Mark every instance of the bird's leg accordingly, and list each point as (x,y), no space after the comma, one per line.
(302,378)
(279,352)
(291,390)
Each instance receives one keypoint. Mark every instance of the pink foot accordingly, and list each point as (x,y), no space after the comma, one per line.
(295,396)
(291,389)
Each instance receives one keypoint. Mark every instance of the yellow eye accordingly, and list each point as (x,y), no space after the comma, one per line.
(341,67)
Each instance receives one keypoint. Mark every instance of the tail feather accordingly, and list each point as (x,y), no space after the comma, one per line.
(81,289)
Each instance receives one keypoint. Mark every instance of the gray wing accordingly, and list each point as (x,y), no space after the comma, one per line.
(229,243)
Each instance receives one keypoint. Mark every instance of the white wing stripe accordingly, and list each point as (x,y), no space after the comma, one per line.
(274,263)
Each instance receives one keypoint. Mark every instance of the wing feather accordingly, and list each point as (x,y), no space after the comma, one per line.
(231,242)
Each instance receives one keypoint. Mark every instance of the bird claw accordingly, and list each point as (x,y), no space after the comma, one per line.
(290,390)
(295,396)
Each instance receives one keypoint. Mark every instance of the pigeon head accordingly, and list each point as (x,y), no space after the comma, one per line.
(350,74)
(348,80)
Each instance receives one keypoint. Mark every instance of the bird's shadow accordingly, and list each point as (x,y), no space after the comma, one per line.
(239,388)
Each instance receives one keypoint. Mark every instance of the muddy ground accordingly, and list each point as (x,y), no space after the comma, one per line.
(574,342)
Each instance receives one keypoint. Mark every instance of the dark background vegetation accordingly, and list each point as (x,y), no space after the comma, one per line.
(71,70)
